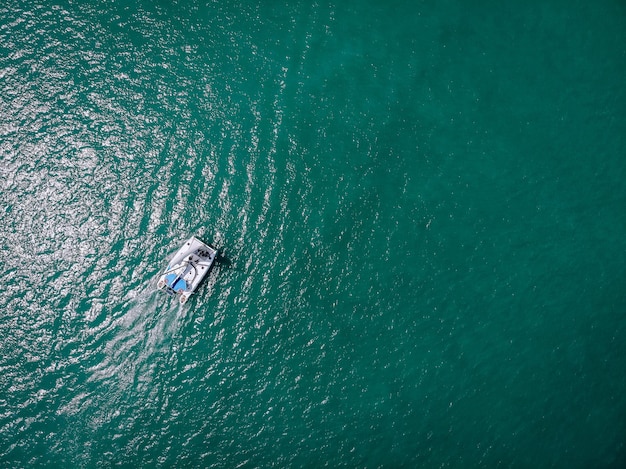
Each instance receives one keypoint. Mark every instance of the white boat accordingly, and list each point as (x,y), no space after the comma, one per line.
(188,267)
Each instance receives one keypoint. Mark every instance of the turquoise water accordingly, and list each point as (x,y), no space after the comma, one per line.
(421,209)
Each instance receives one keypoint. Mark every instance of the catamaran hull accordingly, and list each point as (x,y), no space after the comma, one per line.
(188,267)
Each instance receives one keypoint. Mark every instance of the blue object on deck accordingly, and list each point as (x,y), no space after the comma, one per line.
(179,285)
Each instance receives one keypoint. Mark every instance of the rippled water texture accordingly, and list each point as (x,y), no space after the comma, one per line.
(421,214)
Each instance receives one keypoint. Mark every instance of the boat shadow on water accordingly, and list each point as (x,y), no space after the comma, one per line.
(223,261)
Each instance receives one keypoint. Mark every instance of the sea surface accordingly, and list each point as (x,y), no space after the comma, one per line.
(421,214)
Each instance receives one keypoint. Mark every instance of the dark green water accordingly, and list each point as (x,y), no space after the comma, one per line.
(422,212)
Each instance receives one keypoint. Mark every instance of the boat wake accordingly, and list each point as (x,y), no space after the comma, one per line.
(139,347)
